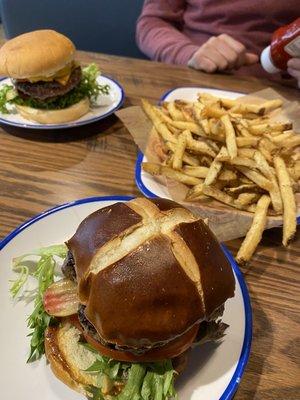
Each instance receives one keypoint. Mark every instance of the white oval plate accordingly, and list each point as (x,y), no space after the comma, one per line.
(213,372)
(95,114)
(144,181)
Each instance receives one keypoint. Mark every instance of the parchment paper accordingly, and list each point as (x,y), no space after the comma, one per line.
(226,222)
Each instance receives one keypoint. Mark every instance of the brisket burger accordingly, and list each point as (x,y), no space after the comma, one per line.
(144,280)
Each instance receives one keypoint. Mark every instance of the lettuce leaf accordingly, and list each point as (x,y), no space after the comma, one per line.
(88,87)
(43,270)
(141,381)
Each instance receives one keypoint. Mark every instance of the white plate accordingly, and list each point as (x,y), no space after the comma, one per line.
(93,115)
(213,372)
(144,181)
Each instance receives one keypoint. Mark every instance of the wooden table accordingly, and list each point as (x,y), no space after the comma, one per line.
(39,170)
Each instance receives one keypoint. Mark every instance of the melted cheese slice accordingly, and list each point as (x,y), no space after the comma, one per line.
(62,76)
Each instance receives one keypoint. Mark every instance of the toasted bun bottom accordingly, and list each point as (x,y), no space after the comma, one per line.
(55,116)
(68,359)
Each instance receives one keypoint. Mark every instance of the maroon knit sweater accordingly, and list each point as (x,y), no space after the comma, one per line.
(172,30)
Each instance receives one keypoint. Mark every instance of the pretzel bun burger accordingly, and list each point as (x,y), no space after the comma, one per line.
(143,281)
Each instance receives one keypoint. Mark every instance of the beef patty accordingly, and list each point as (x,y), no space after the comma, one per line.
(48,90)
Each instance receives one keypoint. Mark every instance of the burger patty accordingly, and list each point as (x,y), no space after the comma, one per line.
(68,267)
(48,90)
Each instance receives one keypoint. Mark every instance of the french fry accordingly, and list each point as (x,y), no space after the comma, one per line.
(259,129)
(255,232)
(197,172)
(161,128)
(206,161)
(224,198)
(280,138)
(214,169)
(175,114)
(244,199)
(246,152)
(292,142)
(268,172)
(205,126)
(228,103)
(197,146)
(248,108)
(157,169)
(176,132)
(179,151)
(294,170)
(257,178)
(243,161)
(213,111)
(227,176)
(230,136)
(195,192)
(187,114)
(191,126)
(266,147)
(288,199)
(187,158)
(272,104)
(247,141)
(246,187)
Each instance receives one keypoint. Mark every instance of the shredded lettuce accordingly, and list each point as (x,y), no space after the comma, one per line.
(7,94)
(43,270)
(88,87)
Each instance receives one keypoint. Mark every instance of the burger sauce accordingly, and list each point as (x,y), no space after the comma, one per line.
(285,44)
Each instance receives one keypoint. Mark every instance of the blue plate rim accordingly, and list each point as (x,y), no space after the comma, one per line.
(235,380)
(70,124)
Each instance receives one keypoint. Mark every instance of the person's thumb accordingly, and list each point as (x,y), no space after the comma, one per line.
(251,58)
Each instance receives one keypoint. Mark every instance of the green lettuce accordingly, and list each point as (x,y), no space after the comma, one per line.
(43,270)
(88,87)
(140,381)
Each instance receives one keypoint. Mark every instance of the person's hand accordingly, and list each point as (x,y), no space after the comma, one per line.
(294,68)
(221,53)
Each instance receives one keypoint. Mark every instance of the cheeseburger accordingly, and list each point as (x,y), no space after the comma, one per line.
(144,282)
(49,87)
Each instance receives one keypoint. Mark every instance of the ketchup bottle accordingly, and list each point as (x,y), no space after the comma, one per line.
(285,44)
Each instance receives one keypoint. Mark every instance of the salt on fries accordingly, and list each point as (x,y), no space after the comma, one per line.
(231,152)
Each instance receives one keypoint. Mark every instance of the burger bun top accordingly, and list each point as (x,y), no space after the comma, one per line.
(35,54)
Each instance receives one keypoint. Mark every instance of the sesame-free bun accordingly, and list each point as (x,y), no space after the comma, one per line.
(55,116)
(37,53)
(67,358)
(148,272)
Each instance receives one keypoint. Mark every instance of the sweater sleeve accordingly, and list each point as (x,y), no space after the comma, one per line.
(158,32)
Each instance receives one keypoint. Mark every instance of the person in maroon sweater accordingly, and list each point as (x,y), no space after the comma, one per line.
(224,35)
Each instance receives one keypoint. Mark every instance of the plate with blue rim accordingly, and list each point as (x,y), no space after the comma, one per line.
(117,96)
(213,372)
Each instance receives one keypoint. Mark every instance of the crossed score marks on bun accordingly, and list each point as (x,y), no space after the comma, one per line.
(148,272)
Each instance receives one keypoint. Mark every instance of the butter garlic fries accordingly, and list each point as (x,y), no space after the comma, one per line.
(231,152)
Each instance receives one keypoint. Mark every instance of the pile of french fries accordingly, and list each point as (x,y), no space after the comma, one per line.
(232,152)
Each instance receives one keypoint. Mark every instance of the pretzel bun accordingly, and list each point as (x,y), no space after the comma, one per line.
(148,272)
(67,358)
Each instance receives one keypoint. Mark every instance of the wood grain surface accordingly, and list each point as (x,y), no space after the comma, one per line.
(39,170)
